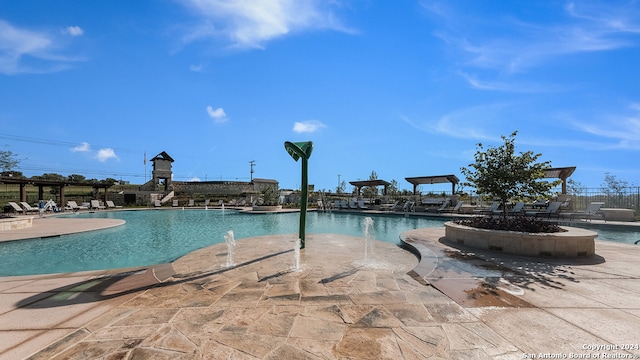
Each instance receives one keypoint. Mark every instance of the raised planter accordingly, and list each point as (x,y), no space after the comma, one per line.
(266,208)
(16,223)
(574,242)
(611,214)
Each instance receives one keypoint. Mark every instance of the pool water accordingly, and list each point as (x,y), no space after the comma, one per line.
(160,236)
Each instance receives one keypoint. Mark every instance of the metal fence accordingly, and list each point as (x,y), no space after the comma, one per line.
(621,198)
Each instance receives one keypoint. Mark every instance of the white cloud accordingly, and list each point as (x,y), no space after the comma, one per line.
(624,129)
(18,43)
(250,23)
(308,126)
(195,68)
(83,147)
(524,45)
(195,179)
(218,115)
(74,30)
(106,154)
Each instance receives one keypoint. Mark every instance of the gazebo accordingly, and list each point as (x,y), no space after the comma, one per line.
(436,179)
(360,184)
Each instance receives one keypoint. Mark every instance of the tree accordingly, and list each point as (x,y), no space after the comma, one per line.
(392,189)
(8,161)
(76,178)
(371,191)
(503,174)
(342,187)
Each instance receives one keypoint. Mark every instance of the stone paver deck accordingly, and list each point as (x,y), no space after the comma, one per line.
(452,302)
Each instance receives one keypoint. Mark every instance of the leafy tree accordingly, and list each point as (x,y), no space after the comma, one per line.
(613,186)
(8,161)
(50,177)
(574,187)
(503,174)
(615,189)
(392,189)
(371,191)
(76,178)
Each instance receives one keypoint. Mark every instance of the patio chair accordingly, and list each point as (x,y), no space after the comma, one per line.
(28,208)
(157,203)
(454,209)
(552,210)
(409,206)
(517,209)
(72,205)
(110,204)
(175,203)
(95,204)
(445,204)
(588,213)
(191,202)
(16,207)
(361,205)
(488,211)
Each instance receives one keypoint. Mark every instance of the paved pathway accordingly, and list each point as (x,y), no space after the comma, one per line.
(452,303)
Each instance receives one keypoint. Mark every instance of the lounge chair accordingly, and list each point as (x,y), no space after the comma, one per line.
(592,209)
(95,204)
(207,202)
(409,206)
(442,207)
(343,204)
(175,203)
(51,205)
(517,209)
(361,205)
(454,209)
(28,208)
(157,203)
(110,204)
(72,205)
(191,202)
(16,207)
(552,210)
(488,211)
(397,206)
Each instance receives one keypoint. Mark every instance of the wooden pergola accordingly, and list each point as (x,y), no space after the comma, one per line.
(360,184)
(562,173)
(49,183)
(436,179)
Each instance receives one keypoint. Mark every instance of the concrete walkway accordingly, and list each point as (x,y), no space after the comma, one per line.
(452,302)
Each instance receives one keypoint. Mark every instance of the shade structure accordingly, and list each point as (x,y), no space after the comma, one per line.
(362,183)
(562,173)
(435,179)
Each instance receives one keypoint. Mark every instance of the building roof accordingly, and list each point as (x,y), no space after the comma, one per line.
(162,156)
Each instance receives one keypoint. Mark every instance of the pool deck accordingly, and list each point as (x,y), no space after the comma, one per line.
(452,302)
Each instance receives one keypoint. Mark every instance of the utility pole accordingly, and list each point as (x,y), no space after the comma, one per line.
(252,163)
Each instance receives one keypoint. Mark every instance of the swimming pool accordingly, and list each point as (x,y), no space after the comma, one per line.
(159,236)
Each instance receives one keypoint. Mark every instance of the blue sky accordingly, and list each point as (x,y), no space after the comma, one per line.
(402,88)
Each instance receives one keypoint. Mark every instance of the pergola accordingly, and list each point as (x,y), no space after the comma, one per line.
(561,173)
(42,183)
(436,179)
(360,184)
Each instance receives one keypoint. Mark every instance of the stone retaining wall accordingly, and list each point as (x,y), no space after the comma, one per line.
(16,223)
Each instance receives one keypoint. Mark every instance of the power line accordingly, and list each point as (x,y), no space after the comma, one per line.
(54,142)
